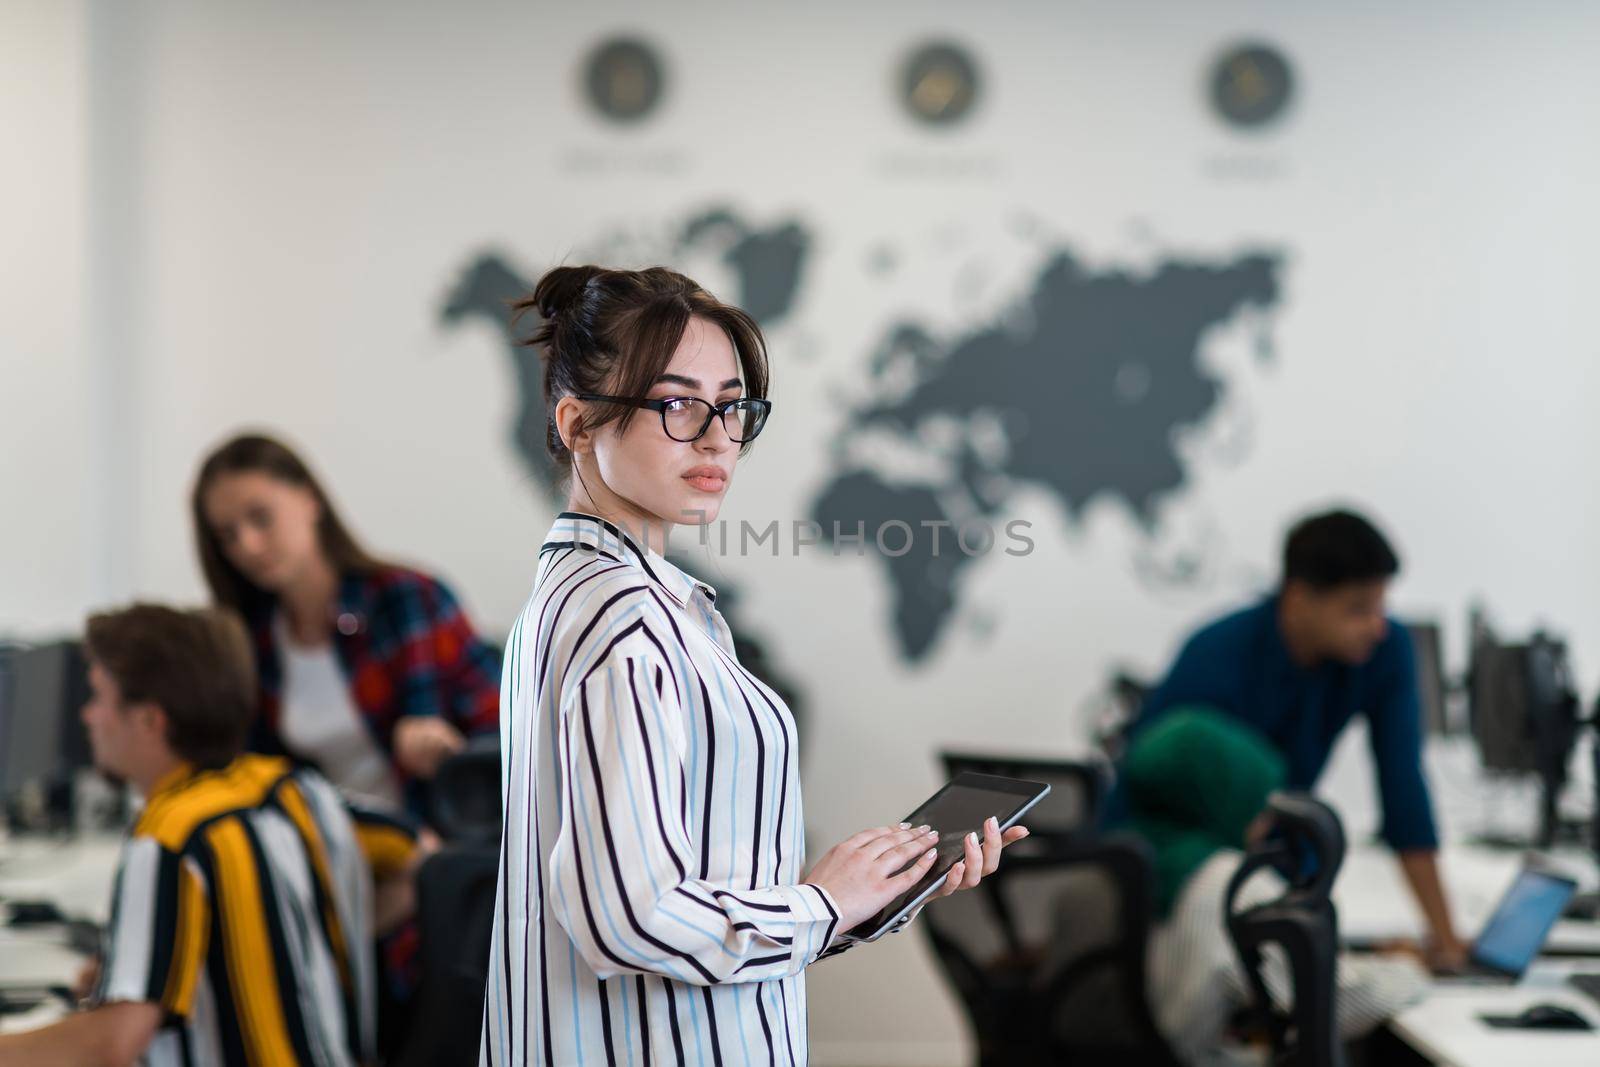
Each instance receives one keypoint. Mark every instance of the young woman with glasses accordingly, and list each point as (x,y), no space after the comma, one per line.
(653,900)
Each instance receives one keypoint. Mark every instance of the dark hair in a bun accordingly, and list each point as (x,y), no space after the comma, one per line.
(560,289)
(614,332)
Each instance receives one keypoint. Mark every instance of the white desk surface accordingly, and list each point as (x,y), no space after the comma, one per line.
(1375,903)
(76,876)
(1446,1027)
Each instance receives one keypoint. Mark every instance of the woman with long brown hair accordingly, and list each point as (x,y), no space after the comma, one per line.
(368,669)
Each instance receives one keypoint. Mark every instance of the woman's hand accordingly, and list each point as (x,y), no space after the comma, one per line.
(979,861)
(860,875)
(422,742)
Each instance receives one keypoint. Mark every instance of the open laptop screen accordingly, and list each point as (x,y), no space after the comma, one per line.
(1516,931)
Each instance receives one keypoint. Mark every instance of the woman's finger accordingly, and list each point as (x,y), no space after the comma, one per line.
(912,875)
(973,862)
(991,846)
(952,881)
(863,837)
(891,860)
(1013,835)
(882,846)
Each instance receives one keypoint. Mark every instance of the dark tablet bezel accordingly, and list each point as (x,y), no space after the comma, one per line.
(1027,793)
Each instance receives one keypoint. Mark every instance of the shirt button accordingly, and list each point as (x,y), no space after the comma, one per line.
(348,624)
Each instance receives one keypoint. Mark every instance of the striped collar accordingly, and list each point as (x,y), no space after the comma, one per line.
(171,781)
(591,533)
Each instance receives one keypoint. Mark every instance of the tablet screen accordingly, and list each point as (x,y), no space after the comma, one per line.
(956,810)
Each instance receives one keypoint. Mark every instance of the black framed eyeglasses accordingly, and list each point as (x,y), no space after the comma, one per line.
(687,418)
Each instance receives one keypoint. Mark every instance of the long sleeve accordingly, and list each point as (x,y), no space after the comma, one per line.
(445,667)
(1206,671)
(1394,716)
(619,879)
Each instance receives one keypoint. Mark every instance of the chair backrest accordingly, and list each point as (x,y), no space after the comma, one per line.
(455,912)
(1070,810)
(465,804)
(1306,845)
(1048,956)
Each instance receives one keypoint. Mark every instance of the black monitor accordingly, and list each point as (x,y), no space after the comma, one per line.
(43,743)
(1432,688)
(1524,713)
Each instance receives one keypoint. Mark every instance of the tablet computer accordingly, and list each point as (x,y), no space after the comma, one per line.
(956,810)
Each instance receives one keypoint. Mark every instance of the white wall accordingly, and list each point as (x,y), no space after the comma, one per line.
(302,183)
(47,545)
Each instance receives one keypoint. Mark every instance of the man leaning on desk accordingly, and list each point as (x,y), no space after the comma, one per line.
(244,909)
(1300,664)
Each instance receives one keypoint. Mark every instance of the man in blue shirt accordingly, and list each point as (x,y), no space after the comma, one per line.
(1301,664)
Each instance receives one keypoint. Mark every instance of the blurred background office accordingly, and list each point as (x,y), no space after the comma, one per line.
(1129,286)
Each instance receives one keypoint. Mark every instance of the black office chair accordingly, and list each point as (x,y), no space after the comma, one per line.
(464,799)
(1035,989)
(1306,845)
(1039,990)
(455,912)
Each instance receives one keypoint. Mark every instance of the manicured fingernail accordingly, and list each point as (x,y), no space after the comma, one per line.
(930,852)
(905,826)
(923,828)
(933,833)
(972,838)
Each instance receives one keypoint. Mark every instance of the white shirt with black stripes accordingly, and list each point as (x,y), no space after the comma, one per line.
(650,907)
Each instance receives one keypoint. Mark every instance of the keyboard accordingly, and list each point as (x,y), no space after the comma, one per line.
(1587,984)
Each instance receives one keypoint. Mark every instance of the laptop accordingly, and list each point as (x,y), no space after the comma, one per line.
(1510,941)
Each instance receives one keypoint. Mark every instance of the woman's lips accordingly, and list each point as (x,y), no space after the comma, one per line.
(707,481)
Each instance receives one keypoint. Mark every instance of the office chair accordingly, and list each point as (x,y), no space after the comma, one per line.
(1041,991)
(1306,845)
(464,797)
(1037,990)
(455,912)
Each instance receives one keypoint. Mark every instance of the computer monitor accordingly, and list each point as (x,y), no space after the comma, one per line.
(1524,713)
(1498,695)
(1431,685)
(43,742)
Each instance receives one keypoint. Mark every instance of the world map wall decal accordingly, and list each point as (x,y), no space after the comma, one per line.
(1083,391)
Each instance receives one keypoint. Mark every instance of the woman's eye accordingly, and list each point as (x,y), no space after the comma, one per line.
(678,404)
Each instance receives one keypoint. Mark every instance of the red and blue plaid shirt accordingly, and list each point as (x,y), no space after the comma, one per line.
(405,647)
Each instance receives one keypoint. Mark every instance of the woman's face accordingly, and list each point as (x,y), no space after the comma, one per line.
(267,527)
(675,482)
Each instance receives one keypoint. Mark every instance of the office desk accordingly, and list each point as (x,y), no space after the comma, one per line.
(1446,1027)
(76,876)
(36,958)
(1375,904)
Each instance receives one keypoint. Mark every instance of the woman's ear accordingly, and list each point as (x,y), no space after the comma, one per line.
(569,425)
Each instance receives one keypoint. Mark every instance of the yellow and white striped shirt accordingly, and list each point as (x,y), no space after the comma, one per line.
(242,906)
